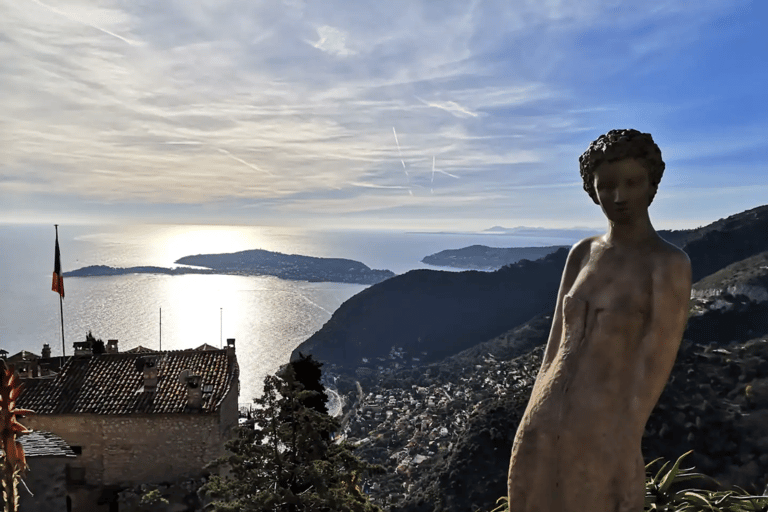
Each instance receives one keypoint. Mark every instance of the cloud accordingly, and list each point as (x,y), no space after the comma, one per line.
(451,107)
(293,104)
(333,41)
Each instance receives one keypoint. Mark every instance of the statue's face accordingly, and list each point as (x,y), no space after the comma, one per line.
(623,189)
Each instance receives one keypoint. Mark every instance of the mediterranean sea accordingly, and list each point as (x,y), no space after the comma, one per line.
(267,316)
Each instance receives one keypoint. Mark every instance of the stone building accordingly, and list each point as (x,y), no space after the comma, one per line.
(135,418)
(47,458)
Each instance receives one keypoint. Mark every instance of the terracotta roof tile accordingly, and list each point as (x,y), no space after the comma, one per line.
(45,444)
(113,384)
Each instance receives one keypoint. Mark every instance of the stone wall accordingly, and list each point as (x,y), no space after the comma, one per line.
(46,481)
(133,449)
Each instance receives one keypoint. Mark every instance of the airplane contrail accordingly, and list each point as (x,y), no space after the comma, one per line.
(447,173)
(233,157)
(433,175)
(100,29)
(433,169)
(400,152)
(440,171)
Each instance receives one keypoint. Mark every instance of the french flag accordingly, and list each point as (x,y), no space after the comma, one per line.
(58,279)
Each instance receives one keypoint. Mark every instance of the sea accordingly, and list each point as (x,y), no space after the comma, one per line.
(268,317)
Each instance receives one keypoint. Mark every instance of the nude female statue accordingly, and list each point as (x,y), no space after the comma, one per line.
(620,315)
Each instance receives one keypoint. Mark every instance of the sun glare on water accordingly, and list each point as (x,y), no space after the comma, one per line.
(179,241)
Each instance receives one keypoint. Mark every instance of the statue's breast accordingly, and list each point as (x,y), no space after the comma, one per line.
(615,282)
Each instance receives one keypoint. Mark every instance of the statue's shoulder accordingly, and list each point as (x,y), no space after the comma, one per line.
(670,256)
(672,265)
(584,247)
(581,251)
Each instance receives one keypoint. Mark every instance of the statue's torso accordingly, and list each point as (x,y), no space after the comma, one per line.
(579,440)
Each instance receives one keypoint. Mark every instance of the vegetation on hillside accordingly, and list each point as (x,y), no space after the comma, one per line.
(287,461)
(665,492)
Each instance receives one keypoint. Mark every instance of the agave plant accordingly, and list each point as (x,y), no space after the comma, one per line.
(14,462)
(663,493)
(660,497)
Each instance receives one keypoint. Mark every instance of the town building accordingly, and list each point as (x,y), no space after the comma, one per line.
(132,418)
(47,458)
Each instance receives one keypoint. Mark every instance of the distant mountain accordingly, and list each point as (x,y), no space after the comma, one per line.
(256,262)
(727,241)
(482,257)
(523,231)
(434,314)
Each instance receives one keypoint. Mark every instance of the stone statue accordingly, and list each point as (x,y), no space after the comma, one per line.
(620,315)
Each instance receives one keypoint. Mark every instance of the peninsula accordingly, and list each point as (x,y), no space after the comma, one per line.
(255,262)
(481,257)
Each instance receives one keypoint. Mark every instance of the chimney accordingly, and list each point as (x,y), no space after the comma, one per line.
(25,369)
(230,351)
(148,366)
(46,351)
(112,347)
(193,383)
(82,348)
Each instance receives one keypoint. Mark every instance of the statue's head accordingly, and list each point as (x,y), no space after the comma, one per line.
(619,145)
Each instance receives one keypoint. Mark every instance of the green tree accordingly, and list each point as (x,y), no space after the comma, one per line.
(288,462)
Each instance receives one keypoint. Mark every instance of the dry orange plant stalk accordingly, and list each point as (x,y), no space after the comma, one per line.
(14,462)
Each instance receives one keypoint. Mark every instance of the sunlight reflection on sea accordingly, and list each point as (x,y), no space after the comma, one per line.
(267,316)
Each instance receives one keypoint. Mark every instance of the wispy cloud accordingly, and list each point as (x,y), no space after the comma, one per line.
(333,41)
(451,107)
(288,104)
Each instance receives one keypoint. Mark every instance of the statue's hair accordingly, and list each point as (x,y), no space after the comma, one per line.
(618,145)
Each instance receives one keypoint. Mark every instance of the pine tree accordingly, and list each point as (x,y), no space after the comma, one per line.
(288,462)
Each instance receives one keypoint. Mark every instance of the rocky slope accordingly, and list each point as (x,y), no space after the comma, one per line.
(445,430)
(727,241)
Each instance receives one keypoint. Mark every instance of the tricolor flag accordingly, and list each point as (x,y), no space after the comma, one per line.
(58,278)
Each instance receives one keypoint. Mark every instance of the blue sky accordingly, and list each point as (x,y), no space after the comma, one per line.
(418,114)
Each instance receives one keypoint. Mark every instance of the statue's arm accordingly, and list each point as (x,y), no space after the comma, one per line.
(669,315)
(576,260)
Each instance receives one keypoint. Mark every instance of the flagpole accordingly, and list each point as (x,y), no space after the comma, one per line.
(61,310)
(61,304)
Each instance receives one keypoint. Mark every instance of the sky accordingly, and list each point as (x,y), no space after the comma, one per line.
(449,115)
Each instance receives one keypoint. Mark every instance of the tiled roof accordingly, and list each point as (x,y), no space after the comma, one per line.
(23,356)
(113,384)
(138,349)
(45,444)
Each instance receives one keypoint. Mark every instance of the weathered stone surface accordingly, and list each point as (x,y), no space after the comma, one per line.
(619,318)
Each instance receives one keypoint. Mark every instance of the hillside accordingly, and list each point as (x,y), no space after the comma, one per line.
(255,262)
(746,277)
(482,257)
(433,314)
(445,430)
(429,314)
(727,241)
